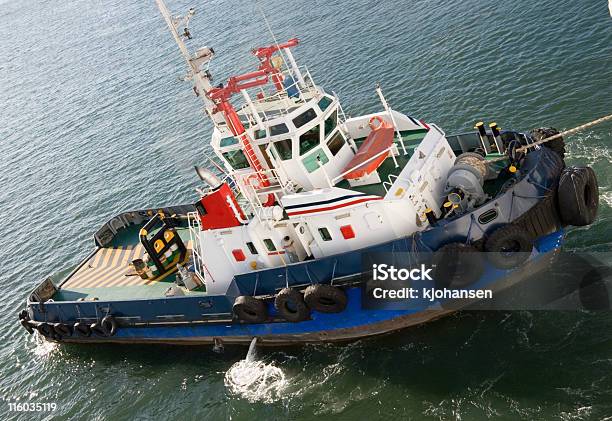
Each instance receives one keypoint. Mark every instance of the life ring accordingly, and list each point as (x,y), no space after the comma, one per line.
(325,298)
(578,195)
(250,309)
(46,329)
(27,326)
(457,265)
(254,181)
(380,120)
(62,329)
(290,305)
(82,329)
(508,246)
(105,328)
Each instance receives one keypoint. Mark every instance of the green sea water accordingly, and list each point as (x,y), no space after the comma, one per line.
(94,121)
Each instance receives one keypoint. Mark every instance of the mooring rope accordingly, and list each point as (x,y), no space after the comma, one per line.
(557,136)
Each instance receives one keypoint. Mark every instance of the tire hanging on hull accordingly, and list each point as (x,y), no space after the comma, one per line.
(509,246)
(578,196)
(290,305)
(325,298)
(457,265)
(250,309)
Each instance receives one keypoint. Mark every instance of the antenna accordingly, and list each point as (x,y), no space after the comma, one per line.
(265,18)
(201,77)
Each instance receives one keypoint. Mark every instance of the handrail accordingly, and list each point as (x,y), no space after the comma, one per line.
(194,230)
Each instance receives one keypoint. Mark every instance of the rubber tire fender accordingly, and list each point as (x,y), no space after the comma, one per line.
(250,309)
(557,145)
(63,329)
(457,265)
(509,237)
(325,298)
(290,305)
(46,329)
(27,326)
(578,195)
(109,324)
(82,329)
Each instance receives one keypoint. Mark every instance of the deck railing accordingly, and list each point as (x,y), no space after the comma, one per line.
(194,234)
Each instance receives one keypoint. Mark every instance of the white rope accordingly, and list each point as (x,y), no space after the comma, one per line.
(557,136)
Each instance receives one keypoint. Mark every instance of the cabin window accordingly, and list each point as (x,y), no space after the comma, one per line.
(304,118)
(325,102)
(251,247)
(228,141)
(315,160)
(325,235)
(335,143)
(283,149)
(236,159)
(269,244)
(330,123)
(310,139)
(260,134)
(279,129)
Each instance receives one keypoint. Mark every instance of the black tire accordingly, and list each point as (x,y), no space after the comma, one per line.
(110,325)
(325,298)
(27,326)
(578,195)
(290,305)
(509,246)
(457,265)
(62,329)
(82,329)
(23,315)
(557,145)
(104,328)
(250,310)
(46,329)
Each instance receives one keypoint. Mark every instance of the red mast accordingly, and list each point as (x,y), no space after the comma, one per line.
(264,54)
(221,96)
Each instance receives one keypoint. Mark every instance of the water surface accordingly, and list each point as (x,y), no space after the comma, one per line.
(94,121)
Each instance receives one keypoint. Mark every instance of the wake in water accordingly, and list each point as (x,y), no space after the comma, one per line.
(255,380)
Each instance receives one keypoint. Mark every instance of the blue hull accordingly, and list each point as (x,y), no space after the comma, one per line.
(353,323)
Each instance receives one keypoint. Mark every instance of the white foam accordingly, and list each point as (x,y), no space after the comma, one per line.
(255,380)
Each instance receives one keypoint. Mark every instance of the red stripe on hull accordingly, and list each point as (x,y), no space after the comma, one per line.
(354,202)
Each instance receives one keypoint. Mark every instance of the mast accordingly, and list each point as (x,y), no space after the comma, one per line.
(201,78)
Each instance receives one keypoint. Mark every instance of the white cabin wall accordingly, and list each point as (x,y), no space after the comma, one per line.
(422,180)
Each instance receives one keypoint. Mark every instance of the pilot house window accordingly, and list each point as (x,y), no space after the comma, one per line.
(279,129)
(304,118)
(260,134)
(228,141)
(310,139)
(236,159)
(325,102)
(330,123)
(335,143)
(283,148)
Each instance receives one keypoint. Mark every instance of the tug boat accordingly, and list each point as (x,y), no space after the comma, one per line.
(296,195)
